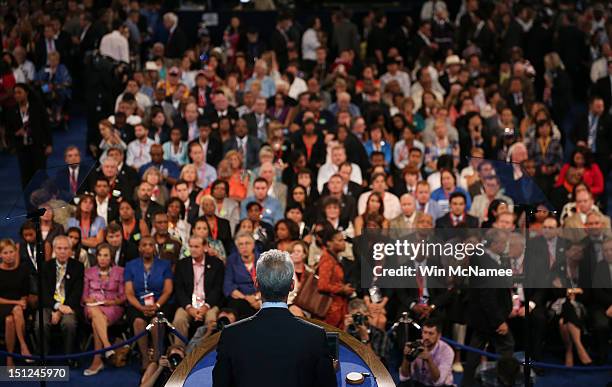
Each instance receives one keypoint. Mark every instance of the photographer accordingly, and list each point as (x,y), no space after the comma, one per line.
(158,373)
(427,362)
(225,317)
(357,324)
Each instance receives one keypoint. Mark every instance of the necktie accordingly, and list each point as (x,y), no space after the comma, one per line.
(201,99)
(420,283)
(551,255)
(592,135)
(73,180)
(60,290)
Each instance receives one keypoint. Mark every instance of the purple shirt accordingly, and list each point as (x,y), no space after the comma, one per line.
(442,355)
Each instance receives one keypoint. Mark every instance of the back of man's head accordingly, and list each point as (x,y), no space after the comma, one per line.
(274,275)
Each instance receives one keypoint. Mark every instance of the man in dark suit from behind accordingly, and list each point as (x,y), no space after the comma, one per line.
(177,40)
(602,303)
(273,347)
(490,304)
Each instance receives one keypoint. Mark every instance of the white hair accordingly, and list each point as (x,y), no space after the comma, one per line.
(274,275)
(171,16)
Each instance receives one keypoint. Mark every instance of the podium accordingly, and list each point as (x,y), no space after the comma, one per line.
(196,368)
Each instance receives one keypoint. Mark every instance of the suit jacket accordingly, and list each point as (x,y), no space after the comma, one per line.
(354,190)
(128,180)
(251,121)
(213,281)
(91,39)
(62,44)
(212,116)
(62,178)
(348,209)
(148,216)
(401,222)
(252,156)
(214,151)
(602,282)
(290,353)
(603,88)
(193,211)
(38,124)
(446,221)
(489,304)
(176,44)
(603,137)
(112,212)
(224,234)
(122,186)
(128,251)
(539,273)
(73,283)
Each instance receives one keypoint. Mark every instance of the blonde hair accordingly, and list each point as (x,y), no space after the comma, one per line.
(185,168)
(233,152)
(150,171)
(7,242)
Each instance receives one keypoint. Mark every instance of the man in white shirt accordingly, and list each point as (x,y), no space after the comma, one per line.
(132,87)
(338,156)
(138,151)
(401,149)
(115,44)
(395,74)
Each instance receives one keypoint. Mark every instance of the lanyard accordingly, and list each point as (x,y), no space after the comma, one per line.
(103,282)
(252,272)
(32,255)
(146,276)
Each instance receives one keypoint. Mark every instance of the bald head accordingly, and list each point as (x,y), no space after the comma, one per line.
(408,204)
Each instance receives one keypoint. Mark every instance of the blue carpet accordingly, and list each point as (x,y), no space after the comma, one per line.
(10,187)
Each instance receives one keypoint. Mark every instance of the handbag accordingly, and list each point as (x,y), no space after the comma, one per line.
(310,299)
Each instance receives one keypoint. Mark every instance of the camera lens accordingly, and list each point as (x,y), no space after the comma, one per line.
(222,322)
(174,360)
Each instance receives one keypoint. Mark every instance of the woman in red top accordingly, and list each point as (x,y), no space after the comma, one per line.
(591,174)
(239,180)
(331,277)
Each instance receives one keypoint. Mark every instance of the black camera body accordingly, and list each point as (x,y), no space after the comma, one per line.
(359,319)
(175,359)
(416,347)
(222,322)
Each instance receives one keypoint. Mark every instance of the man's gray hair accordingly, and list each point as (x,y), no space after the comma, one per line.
(274,275)
(171,16)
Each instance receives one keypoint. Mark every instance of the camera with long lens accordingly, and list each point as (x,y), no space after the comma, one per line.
(222,322)
(175,359)
(358,320)
(416,347)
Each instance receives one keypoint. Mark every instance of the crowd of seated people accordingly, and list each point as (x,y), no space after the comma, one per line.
(202,152)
